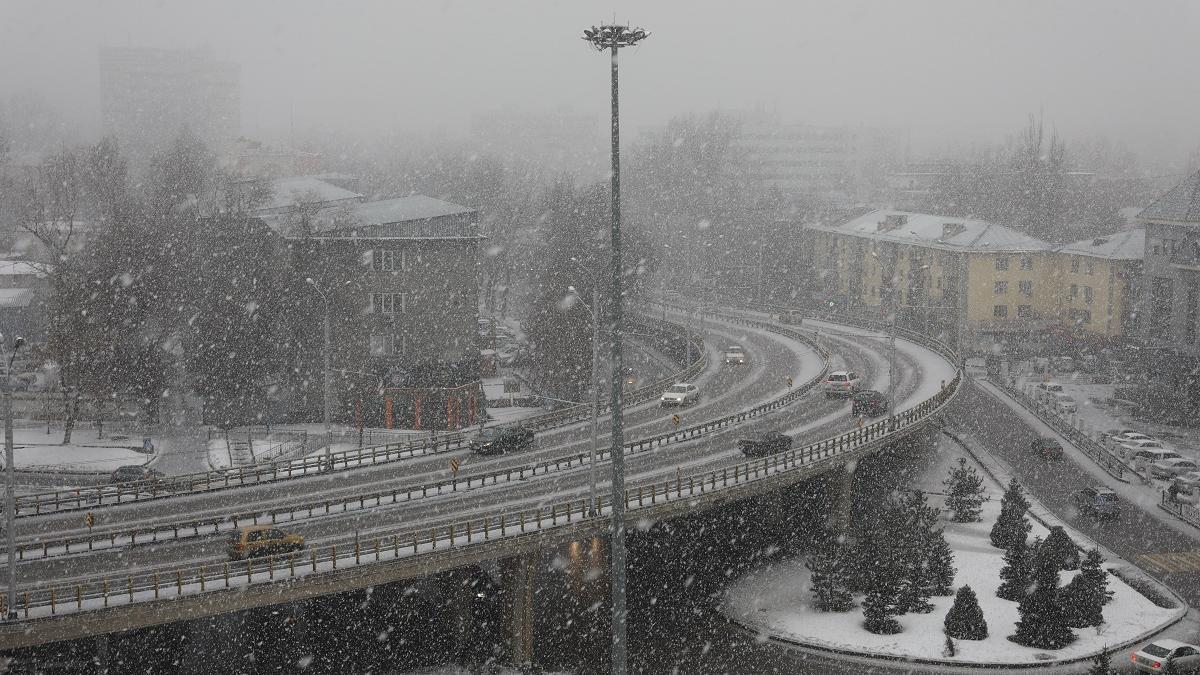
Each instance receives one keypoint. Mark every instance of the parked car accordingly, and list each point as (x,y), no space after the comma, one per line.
(734,355)
(868,403)
(1152,455)
(499,440)
(1119,437)
(1163,653)
(1065,403)
(840,383)
(1130,448)
(1047,447)
(256,540)
(1169,468)
(1046,390)
(1186,482)
(766,443)
(1097,502)
(134,473)
(682,393)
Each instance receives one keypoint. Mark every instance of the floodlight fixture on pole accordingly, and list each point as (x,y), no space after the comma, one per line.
(613,38)
(10,481)
(328,394)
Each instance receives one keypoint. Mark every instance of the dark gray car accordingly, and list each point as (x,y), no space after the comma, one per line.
(1097,502)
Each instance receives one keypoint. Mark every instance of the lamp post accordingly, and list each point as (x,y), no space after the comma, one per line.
(595,307)
(328,392)
(613,38)
(891,392)
(10,481)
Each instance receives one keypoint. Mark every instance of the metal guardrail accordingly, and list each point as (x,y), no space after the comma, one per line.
(39,548)
(44,601)
(186,484)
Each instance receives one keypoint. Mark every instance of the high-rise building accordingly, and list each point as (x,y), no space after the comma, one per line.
(148,95)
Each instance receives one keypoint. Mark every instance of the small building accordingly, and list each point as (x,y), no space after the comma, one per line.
(1099,281)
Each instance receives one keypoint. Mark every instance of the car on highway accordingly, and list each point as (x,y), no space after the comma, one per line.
(734,355)
(1047,447)
(1165,655)
(1097,502)
(1186,482)
(765,443)
(841,383)
(501,440)
(1065,403)
(1175,466)
(680,393)
(868,403)
(134,473)
(256,540)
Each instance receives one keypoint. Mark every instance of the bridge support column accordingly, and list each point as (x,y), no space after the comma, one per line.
(518,578)
(844,493)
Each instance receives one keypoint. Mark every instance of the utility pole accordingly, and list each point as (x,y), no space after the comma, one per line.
(328,394)
(613,38)
(10,481)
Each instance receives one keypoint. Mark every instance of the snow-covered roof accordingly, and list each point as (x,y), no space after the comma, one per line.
(12,298)
(945,232)
(1180,205)
(404,209)
(286,192)
(1124,245)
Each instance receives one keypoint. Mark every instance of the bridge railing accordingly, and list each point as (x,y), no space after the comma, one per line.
(92,497)
(456,537)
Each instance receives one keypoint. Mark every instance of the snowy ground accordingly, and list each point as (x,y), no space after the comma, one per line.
(34,449)
(776,600)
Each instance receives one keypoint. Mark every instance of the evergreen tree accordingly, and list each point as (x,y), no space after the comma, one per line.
(964,492)
(965,619)
(1100,665)
(880,604)
(941,565)
(1061,549)
(950,649)
(1015,573)
(830,578)
(1084,598)
(915,540)
(1043,623)
(1012,522)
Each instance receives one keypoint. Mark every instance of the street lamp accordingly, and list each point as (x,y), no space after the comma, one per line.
(328,391)
(10,480)
(595,307)
(613,38)
(891,392)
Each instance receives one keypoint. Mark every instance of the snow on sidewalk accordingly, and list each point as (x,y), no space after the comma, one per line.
(776,600)
(34,450)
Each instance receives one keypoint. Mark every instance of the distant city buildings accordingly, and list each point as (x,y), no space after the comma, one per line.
(561,142)
(148,95)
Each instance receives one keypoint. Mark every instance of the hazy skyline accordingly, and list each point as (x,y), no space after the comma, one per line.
(940,71)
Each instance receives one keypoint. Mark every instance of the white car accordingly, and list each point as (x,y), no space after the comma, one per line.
(1128,448)
(841,383)
(1169,468)
(1187,482)
(681,393)
(1065,403)
(734,355)
(1158,655)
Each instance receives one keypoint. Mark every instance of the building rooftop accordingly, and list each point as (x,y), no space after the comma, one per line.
(1180,205)
(404,209)
(945,232)
(21,268)
(287,192)
(1124,245)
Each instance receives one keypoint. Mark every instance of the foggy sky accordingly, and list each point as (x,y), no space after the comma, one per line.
(942,71)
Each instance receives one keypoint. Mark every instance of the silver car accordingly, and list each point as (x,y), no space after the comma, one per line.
(1157,656)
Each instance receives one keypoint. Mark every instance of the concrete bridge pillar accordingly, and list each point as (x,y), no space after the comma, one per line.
(518,577)
(844,493)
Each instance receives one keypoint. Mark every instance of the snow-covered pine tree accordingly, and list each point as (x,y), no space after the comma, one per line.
(950,649)
(1043,624)
(1084,598)
(965,619)
(879,605)
(964,492)
(941,565)
(830,578)
(1014,576)
(1060,548)
(1012,522)
(915,538)
(1100,665)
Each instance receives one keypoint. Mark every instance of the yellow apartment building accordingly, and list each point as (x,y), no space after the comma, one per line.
(1098,283)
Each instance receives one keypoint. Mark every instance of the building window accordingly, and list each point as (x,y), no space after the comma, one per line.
(1026,287)
(1156,246)
(1026,262)
(1074,291)
(1089,267)
(1001,263)
(1079,316)
(1075,265)
(384,303)
(1001,287)
(1024,312)
(1087,294)
(381,345)
(386,260)
(1000,311)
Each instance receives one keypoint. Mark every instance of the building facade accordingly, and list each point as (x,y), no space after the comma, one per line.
(1099,284)
(1171,284)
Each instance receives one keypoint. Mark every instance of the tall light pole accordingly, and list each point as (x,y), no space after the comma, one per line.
(613,38)
(328,384)
(891,392)
(10,481)
(595,307)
